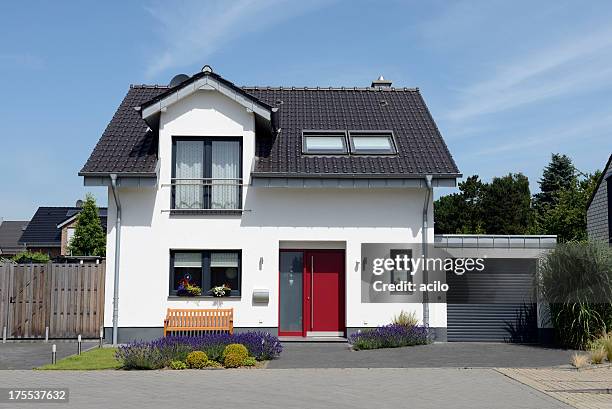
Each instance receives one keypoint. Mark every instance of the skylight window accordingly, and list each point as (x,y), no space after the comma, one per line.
(324,143)
(372,143)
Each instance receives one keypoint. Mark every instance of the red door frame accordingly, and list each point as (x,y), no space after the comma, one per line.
(306,289)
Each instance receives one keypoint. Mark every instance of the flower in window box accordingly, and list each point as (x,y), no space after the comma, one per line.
(220,290)
(186,289)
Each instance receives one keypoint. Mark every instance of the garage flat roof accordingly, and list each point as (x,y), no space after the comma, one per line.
(495,241)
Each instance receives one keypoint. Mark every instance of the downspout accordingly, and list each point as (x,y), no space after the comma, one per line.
(113,178)
(424,237)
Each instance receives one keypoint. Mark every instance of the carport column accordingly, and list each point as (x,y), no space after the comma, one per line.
(113,178)
(424,237)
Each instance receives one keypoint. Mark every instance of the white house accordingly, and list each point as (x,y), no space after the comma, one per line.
(270,191)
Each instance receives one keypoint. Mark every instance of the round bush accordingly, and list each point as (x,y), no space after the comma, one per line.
(197,360)
(234,360)
(236,349)
(178,365)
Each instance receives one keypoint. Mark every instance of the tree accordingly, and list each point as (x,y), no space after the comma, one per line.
(506,205)
(567,217)
(460,212)
(558,175)
(499,207)
(89,238)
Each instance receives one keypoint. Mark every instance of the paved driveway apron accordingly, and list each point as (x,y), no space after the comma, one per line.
(28,355)
(443,355)
(416,388)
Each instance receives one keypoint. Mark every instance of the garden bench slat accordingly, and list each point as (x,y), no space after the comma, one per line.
(199,320)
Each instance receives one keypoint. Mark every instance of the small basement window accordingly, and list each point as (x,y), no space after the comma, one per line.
(324,142)
(372,143)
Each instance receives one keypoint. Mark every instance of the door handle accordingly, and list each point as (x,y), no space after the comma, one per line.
(312,293)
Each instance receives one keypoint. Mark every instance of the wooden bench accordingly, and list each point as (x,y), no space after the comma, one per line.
(187,321)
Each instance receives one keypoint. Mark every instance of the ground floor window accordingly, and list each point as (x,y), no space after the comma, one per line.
(206,269)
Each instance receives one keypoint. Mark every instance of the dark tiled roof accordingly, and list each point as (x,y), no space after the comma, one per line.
(10,232)
(421,149)
(42,229)
(127,146)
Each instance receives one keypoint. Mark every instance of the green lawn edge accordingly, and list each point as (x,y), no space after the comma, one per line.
(91,360)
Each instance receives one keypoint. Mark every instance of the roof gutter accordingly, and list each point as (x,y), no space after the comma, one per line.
(428,194)
(113,178)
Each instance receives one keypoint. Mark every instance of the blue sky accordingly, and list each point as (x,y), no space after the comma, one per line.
(507,82)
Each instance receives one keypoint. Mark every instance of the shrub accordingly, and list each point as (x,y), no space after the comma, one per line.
(196,360)
(389,336)
(31,257)
(579,361)
(140,355)
(234,360)
(178,365)
(576,280)
(213,364)
(406,319)
(237,349)
(597,356)
(160,352)
(608,348)
(250,361)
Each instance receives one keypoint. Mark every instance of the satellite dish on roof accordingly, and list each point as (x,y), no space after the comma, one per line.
(207,68)
(177,79)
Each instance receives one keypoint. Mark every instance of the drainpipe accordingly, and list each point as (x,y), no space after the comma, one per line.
(428,195)
(113,178)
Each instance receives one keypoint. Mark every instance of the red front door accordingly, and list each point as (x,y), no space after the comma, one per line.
(322,293)
(324,284)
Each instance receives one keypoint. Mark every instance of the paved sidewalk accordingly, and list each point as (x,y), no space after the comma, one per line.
(32,354)
(294,388)
(569,385)
(443,355)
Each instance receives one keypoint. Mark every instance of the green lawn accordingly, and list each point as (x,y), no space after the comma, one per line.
(97,358)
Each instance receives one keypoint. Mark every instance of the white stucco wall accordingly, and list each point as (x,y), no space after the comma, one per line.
(345,216)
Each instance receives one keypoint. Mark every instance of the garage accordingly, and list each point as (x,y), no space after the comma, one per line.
(498,303)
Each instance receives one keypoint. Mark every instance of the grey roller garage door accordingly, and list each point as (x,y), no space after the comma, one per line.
(481,303)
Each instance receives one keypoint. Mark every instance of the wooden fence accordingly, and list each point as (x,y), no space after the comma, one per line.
(66,298)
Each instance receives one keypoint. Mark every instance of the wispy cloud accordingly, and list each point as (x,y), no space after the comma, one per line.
(560,69)
(595,125)
(192,31)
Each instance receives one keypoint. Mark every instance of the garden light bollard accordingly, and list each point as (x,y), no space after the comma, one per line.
(46,334)
(101,337)
(79,345)
(53,354)
(4,335)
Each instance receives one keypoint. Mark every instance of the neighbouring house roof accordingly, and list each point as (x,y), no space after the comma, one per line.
(10,232)
(129,147)
(605,174)
(43,230)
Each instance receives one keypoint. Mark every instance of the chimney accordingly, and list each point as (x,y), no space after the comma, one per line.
(381,82)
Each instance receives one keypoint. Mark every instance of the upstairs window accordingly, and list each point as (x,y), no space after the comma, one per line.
(207,174)
(372,143)
(324,142)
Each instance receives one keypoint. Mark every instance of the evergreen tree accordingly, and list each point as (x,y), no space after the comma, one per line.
(558,175)
(89,238)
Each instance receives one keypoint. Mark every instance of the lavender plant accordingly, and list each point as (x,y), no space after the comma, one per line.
(390,336)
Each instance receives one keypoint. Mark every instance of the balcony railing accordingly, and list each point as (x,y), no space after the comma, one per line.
(223,195)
